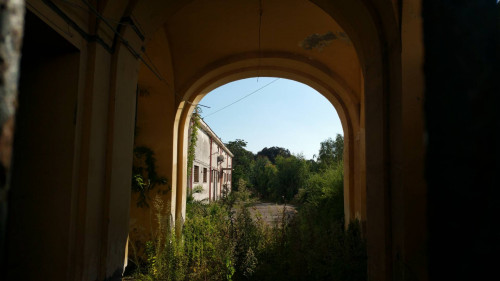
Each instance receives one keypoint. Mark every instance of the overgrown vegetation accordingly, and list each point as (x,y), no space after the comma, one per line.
(224,241)
(275,174)
(242,161)
(144,175)
(193,138)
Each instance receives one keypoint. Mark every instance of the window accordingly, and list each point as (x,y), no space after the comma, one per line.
(204,174)
(196,173)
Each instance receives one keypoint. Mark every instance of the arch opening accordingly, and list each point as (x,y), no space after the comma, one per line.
(375,36)
(193,69)
(352,209)
(182,122)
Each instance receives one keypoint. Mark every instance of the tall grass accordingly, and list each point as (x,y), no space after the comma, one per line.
(223,241)
(315,245)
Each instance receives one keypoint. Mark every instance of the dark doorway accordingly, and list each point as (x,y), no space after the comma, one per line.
(39,223)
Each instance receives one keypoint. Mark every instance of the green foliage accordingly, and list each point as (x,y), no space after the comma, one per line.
(250,239)
(315,245)
(280,181)
(242,161)
(224,240)
(164,255)
(325,188)
(272,152)
(264,177)
(243,195)
(198,189)
(331,151)
(291,176)
(190,195)
(193,138)
(144,175)
(205,251)
(313,166)
(207,243)
(278,175)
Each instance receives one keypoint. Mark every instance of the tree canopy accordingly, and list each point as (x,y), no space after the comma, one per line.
(242,160)
(331,151)
(272,152)
(275,173)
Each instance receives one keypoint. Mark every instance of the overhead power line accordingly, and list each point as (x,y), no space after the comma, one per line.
(242,98)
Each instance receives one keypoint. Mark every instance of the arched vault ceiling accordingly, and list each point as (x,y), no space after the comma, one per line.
(205,32)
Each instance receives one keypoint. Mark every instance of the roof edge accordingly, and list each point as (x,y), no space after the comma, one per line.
(204,126)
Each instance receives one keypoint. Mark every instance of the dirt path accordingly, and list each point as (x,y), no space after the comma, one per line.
(271,212)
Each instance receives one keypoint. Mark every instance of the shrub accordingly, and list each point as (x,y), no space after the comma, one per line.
(224,242)
(164,256)
(315,245)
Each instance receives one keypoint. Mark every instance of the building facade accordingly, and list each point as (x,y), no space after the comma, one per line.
(210,175)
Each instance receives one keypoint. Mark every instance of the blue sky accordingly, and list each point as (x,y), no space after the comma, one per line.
(286,113)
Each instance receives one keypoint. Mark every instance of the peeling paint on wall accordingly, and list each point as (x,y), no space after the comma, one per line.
(319,41)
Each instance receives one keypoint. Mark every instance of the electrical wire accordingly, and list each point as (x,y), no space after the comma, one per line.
(246,96)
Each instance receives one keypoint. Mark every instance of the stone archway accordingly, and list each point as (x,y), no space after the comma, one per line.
(184,43)
(190,51)
(335,91)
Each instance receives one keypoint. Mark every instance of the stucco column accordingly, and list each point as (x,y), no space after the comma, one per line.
(182,147)
(91,134)
(120,140)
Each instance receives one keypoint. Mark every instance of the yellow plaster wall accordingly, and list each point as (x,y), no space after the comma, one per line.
(374,80)
(415,195)
(198,41)
(155,129)
(92,166)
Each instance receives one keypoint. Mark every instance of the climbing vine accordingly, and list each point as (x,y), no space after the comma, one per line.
(144,175)
(193,138)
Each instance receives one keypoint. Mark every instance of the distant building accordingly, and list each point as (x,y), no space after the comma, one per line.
(212,166)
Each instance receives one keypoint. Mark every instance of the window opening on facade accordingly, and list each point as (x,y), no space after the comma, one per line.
(196,173)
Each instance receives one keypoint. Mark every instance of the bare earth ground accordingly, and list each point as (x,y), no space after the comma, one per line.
(271,213)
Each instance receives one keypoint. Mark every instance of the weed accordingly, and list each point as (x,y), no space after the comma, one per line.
(224,241)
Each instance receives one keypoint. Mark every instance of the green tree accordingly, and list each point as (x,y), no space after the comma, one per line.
(272,152)
(326,186)
(292,174)
(242,161)
(264,176)
(331,151)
